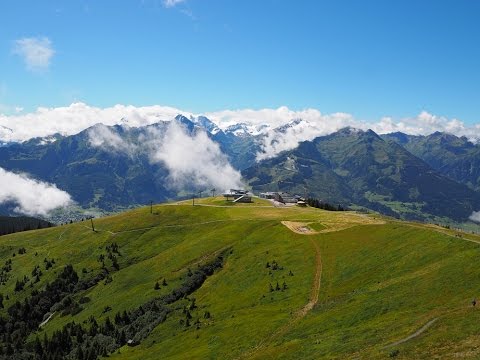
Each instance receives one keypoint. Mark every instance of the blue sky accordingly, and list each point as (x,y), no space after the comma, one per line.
(368,58)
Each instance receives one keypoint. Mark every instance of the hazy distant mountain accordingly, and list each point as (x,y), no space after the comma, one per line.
(455,157)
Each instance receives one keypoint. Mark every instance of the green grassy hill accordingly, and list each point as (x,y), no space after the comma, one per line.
(349,285)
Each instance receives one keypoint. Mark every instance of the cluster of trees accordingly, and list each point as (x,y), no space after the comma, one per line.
(112,253)
(10,225)
(48,263)
(324,205)
(25,317)
(20,284)
(188,316)
(90,340)
(5,272)
(157,284)
(37,273)
(195,279)
(7,268)
(75,341)
(88,282)
(275,266)
(278,287)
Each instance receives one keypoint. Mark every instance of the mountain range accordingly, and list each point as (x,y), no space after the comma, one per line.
(434,177)
(360,167)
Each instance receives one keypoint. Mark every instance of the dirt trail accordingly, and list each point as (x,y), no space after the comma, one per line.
(314,293)
(317,281)
(61,235)
(303,229)
(98,230)
(427,326)
(415,334)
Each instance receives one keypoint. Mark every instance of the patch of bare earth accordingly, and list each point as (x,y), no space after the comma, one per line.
(334,222)
(299,228)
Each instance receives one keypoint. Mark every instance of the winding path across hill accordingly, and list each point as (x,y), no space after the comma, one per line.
(414,335)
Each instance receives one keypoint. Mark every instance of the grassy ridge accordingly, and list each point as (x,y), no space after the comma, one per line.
(381,284)
(381,281)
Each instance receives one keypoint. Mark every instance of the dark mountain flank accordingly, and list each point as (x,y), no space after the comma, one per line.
(361,168)
(94,176)
(452,156)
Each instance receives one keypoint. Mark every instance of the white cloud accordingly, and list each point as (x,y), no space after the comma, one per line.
(31,197)
(309,128)
(475,216)
(36,52)
(102,136)
(194,159)
(172,3)
(72,119)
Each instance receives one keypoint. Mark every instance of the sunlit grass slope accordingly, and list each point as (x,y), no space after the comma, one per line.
(380,281)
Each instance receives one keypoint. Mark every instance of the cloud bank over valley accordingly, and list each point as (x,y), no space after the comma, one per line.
(30,196)
(72,119)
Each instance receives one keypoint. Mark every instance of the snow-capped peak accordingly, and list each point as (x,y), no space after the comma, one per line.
(292,124)
(206,124)
(243,129)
